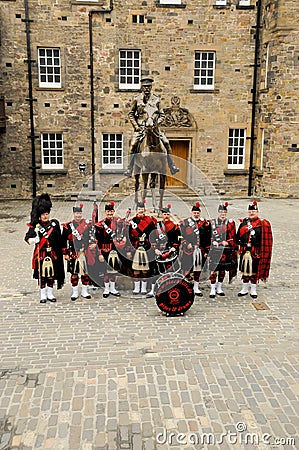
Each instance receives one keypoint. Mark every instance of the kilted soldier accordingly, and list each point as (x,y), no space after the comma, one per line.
(223,255)
(47,260)
(165,242)
(139,247)
(76,245)
(255,241)
(109,244)
(196,239)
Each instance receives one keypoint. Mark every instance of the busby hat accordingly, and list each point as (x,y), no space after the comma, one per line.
(253,206)
(140,204)
(166,209)
(109,206)
(223,207)
(40,204)
(196,207)
(78,208)
(147,81)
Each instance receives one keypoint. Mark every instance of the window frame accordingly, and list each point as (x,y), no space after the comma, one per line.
(201,68)
(220,2)
(240,149)
(55,148)
(108,148)
(125,85)
(244,2)
(47,83)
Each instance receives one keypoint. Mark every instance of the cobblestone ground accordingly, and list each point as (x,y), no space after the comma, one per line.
(116,374)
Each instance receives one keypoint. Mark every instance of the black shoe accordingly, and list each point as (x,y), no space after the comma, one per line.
(43,300)
(106,295)
(174,170)
(198,294)
(150,295)
(212,296)
(221,294)
(116,294)
(88,296)
(253,295)
(143,293)
(53,299)
(74,299)
(242,295)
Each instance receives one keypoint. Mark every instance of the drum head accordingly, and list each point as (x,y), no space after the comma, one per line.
(174,295)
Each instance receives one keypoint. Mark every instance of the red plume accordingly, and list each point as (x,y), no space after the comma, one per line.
(169,205)
(197,204)
(81,205)
(226,204)
(112,203)
(254,202)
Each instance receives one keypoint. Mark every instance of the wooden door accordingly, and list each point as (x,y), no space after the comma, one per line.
(180,151)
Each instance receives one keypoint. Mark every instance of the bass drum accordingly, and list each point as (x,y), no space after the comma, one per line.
(174,294)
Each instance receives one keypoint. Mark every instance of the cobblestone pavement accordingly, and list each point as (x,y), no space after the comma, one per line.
(116,374)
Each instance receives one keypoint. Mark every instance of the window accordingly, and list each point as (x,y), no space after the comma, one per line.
(49,67)
(220,2)
(236,148)
(244,2)
(129,69)
(266,66)
(112,151)
(52,150)
(204,70)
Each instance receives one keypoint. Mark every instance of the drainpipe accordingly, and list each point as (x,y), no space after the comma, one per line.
(254,102)
(30,99)
(90,14)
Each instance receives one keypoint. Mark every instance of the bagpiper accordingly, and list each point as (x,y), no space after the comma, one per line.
(223,255)
(255,240)
(165,242)
(75,238)
(196,239)
(109,245)
(138,246)
(45,234)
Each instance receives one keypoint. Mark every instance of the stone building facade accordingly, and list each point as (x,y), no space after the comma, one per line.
(70,69)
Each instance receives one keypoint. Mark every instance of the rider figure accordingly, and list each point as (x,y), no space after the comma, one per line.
(145,111)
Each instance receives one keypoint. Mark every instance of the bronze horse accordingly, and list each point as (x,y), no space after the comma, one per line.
(150,162)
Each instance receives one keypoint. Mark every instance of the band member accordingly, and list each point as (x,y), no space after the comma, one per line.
(109,243)
(222,254)
(138,247)
(47,260)
(75,238)
(255,241)
(165,242)
(196,239)
(145,111)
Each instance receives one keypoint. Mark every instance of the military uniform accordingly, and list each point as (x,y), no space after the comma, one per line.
(255,241)
(76,250)
(47,259)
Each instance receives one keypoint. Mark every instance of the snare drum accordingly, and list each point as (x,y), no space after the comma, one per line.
(174,294)
(168,262)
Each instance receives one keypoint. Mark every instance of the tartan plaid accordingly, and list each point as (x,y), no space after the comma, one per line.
(266,251)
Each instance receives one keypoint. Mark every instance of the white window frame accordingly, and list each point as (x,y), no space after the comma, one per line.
(49,66)
(220,2)
(236,148)
(204,69)
(112,148)
(52,149)
(244,2)
(170,2)
(129,60)
(266,65)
